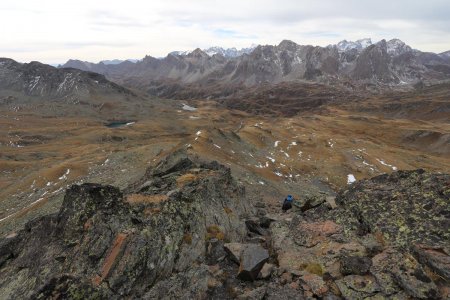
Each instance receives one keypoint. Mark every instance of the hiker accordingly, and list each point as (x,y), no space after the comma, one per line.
(287,204)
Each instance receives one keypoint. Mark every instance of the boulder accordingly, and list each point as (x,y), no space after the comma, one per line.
(395,272)
(254,227)
(436,258)
(256,294)
(234,251)
(310,234)
(265,222)
(415,282)
(215,251)
(275,292)
(315,283)
(310,201)
(371,244)
(266,271)
(358,287)
(331,201)
(357,265)
(253,258)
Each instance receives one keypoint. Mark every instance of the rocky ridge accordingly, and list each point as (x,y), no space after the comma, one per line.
(40,80)
(187,230)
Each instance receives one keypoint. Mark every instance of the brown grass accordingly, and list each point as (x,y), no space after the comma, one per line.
(187,238)
(145,199)
(214,231)
(380,238)
(227,210)
(185,179)
(151,211)
(313,268)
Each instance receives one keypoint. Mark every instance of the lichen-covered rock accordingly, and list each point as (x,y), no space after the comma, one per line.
(406,207)
(310,201)
(112,245)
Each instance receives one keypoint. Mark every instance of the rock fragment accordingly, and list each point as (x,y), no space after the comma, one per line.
(253,258)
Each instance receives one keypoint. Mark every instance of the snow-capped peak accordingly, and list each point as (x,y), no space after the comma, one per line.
(397,47)
(358,45)
(228,52)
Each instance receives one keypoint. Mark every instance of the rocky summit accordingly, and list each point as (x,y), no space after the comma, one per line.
(189,230)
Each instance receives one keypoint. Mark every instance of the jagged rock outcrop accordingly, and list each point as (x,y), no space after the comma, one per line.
(151,242)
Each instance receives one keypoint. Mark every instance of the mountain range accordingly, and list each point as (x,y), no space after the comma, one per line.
(362,63)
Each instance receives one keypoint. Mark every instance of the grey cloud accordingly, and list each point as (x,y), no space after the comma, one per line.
(294,11)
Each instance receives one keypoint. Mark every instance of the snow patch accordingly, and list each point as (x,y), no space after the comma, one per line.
(394,168)
(64,176)
(350,178)
(271,159)
(188,108)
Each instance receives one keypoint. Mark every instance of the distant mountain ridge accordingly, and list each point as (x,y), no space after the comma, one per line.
(27,81)
(385,63)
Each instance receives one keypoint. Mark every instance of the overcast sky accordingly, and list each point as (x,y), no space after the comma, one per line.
(52,31)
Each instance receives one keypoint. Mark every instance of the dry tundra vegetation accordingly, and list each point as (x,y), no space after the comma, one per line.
(322,146)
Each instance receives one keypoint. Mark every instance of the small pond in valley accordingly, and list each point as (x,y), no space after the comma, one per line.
(117,124)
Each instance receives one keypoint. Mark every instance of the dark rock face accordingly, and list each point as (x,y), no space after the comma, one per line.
(111,245)
(253,258)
